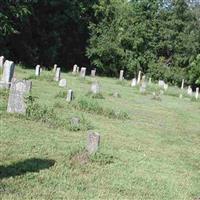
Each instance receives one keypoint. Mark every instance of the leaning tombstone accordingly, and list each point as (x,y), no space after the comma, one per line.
(57,75)
(16,102)
(182,84)
(55,67)
(93,72)
(37,70)
(2,60)
(62,83)
(139,77)
(189,91)
(93,142)
(95,88)
(8,73)
(197,93)
(133,82)
(74,69)
(83,72)
(69,96)
(121,75)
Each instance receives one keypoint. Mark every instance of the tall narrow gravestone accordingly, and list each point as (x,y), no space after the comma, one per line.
(16,103)
(74,69)
(189,91)
(8,73)
(37,70)
(69,95)
(55,67)
(182,84)
(197,93)
(83,72)
(139,77)
(57,75)
(93,142)
(93,72)
(121,75)
(2,60)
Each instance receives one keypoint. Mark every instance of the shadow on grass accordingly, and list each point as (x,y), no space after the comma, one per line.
(22,167)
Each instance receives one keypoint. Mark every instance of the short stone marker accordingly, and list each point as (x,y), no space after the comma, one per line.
(165,87)
(16,102)
(57,75)
(189,91)
(37,70)
(139,77)
(93,142)
(83,72)
(74,69)
(55,67)
(133,82)
(143,87)
(161,83)
(2,60)
(116,95)
(62,83)
(75,121)
(197,93)
(121,75)
(8,72)
(95,88)
(93,72)
(69,95)
(150,81)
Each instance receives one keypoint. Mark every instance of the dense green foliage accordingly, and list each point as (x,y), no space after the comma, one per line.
(159,37)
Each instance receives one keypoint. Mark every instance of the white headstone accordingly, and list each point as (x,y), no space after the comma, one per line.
(55,67)
(189,91)
(95,88)
(37,70)
(139,77)
(69,96)
(197,93)
(121,75)
(182,84)
(2,60)
(161,83)
(93,142)
(133,82)
(8,72)
(62,83)
(149,80)
(165,87)
(93,72)
(83,72)
(74,69)
(57,75)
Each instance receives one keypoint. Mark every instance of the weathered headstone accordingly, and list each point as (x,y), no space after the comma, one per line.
(57,75)
(133,82)
(62,83)
(189,91)
(75,121)
(74,69)
(121,75)
(95,88)
(182,84)
(161,83)
(93,72)
(116,95)
(16,103)
(8,72)
(143,87)
(197,93)
(37,70)
(69,96)
(83,72)
(149,81)
(2,60)
(55,67)
(93,142)
(165,87)
(139,77)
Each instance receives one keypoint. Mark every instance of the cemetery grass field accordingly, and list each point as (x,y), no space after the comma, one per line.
(149,148)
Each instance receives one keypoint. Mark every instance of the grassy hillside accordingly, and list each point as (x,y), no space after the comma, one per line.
(149,149)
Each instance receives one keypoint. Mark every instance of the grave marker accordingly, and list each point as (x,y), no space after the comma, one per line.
(37,70)
(197,93)
(121,75)
(93,142)
(2,60)
(62,83)
(83,72)
(57,75)
(69,96)
(133,82)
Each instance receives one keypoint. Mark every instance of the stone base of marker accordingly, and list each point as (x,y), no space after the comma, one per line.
(93,142)
(16,102)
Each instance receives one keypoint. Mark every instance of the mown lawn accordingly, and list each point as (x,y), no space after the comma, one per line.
(149,151)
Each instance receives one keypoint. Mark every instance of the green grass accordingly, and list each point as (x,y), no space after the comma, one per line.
(151,154)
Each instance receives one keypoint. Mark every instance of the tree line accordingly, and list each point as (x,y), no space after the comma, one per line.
(159,37)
